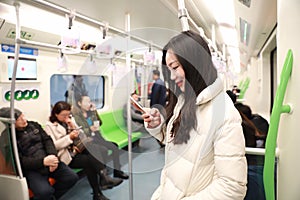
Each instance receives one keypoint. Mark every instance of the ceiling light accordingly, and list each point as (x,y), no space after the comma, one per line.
(245,29)
(235,58)
(229,35)
(223,11)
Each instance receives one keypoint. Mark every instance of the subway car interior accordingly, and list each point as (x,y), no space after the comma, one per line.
(114,47)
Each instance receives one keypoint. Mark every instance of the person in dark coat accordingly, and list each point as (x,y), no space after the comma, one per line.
(38,158)
(158,91)
(76,88)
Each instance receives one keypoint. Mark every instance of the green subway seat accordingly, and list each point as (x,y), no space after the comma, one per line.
(77,170)
(114,129)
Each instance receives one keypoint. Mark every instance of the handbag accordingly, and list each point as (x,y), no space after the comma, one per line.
(80,143)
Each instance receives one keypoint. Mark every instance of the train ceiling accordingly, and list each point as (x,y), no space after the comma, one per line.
(261,18)
(156,20)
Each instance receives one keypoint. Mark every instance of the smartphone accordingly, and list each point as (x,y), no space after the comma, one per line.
(76,129)
(137,105)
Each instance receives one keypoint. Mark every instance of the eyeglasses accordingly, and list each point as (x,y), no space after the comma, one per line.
(65,115)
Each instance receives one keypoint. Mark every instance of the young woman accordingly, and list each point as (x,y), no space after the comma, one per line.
(205,147)
(85,116)
(62,130)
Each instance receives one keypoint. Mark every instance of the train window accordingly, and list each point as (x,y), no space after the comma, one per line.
(67,87)
(26,70)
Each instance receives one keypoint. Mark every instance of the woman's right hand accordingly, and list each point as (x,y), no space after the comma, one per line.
(152,117)
(74,134)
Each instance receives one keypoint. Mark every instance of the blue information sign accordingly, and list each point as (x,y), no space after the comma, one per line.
(23,50)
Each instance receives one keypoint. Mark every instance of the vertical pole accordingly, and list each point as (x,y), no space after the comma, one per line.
(130,78)
(213,35)
(12,93)
(144,90)
(224,51)
(271,142)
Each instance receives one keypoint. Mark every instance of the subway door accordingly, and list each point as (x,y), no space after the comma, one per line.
(288,133)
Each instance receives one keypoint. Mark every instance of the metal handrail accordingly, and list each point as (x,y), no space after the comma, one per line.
(259,151)
(277,110)
(87,19)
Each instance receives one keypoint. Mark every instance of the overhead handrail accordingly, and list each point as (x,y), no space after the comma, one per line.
(87,19)
(184,18)
(277,110)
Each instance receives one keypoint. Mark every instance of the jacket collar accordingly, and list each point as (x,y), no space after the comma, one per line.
(210,92)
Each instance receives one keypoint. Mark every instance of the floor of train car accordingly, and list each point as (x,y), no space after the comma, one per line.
(147,162)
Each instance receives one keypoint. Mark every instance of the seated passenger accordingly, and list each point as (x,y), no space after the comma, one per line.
(255,187)
(259,122)
(85,115)
(39,159)
(63,132)
(235,90)
(137,121)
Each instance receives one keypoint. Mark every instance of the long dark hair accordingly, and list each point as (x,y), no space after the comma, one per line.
(249,130)
(194,56)
(57,108)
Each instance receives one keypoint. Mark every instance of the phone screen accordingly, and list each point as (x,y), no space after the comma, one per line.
(76,129)
(137,105)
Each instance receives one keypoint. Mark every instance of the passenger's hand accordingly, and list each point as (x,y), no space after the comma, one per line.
(53,168)
(94,128)
(93,107)
(70,123)
(74,134)
(50,160)
(152,117)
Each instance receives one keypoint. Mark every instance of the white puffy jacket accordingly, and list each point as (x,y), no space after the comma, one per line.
(212,165)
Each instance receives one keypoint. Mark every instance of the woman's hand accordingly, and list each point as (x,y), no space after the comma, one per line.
(74,134)
(94,128)
(152,117)
(93,106)
(70,123)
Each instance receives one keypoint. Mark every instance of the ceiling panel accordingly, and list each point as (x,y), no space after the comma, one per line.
(261,15)
(157,20)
